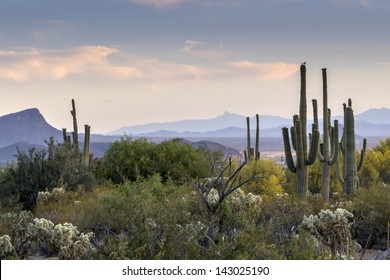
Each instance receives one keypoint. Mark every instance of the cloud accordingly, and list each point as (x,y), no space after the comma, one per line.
(191,48)
(158,3)
(268,71)
(98,63)
(21,66)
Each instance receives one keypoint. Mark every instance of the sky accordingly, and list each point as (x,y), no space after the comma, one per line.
(128,62)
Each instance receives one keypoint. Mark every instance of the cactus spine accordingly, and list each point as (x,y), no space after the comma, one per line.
(299,140)
(251,153)
(348,149)
(329,148)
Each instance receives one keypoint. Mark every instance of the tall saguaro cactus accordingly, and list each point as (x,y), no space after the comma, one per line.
(75,129)
(257,147)
(328,152)
(251,153)
(87,136)
(248,153)
(349,178)
(299,140)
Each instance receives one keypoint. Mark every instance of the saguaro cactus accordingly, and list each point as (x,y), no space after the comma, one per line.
(349,178)
(248,152)
(299,140)
(257,147)
(75,129)
(328,151)
(87,136)
(251,153)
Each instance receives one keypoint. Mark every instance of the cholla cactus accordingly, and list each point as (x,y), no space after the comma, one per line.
(239,200)
(6,247)
(213,197)
(332,229)
(55,194)
(29,236)
(70,243)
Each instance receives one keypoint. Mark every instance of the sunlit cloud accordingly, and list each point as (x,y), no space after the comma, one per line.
(191,47)
(22,66)
(268,71)
(111,64)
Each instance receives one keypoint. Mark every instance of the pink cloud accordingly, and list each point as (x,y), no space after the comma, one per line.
(268,71)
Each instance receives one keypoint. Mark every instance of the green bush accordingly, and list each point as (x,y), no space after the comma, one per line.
(372,213)
(131,160)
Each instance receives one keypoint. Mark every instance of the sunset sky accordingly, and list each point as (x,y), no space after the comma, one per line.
(128,62)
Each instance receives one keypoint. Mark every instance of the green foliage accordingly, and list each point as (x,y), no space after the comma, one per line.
(315,180)
(270,178)
(38,171)
(383,154)
(129,159)
(372,213)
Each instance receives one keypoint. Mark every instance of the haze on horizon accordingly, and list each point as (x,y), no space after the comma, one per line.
(129,62)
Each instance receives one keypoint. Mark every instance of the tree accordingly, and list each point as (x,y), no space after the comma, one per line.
(129,159)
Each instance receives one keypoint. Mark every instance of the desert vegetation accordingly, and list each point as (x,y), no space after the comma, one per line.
(169,200)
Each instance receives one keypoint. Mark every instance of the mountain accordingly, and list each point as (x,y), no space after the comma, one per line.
(26,126)
(220,122)
(375,116)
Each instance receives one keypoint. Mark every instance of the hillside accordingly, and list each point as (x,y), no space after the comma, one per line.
(26,126)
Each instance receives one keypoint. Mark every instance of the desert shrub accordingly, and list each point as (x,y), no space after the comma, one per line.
(129,159)
(30,236)
(38,170)
(270,178)
(150,219)
(372,213)
(83,209)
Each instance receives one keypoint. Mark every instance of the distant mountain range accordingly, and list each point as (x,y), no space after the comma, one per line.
(29,128)
(206,125)
(371,123)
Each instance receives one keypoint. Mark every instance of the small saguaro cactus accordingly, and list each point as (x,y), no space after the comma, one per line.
(299,140)
(349,177)
(328,151)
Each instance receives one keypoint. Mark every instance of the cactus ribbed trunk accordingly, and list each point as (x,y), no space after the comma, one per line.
(349,177)
(303,119)
(350,156)
(87,136)
(248,139)
(299,140)
(325,140)
(257,150)
(75,129)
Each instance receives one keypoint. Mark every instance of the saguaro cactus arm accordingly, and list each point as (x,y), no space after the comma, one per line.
(314,144)
(335,143)
(287,151)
